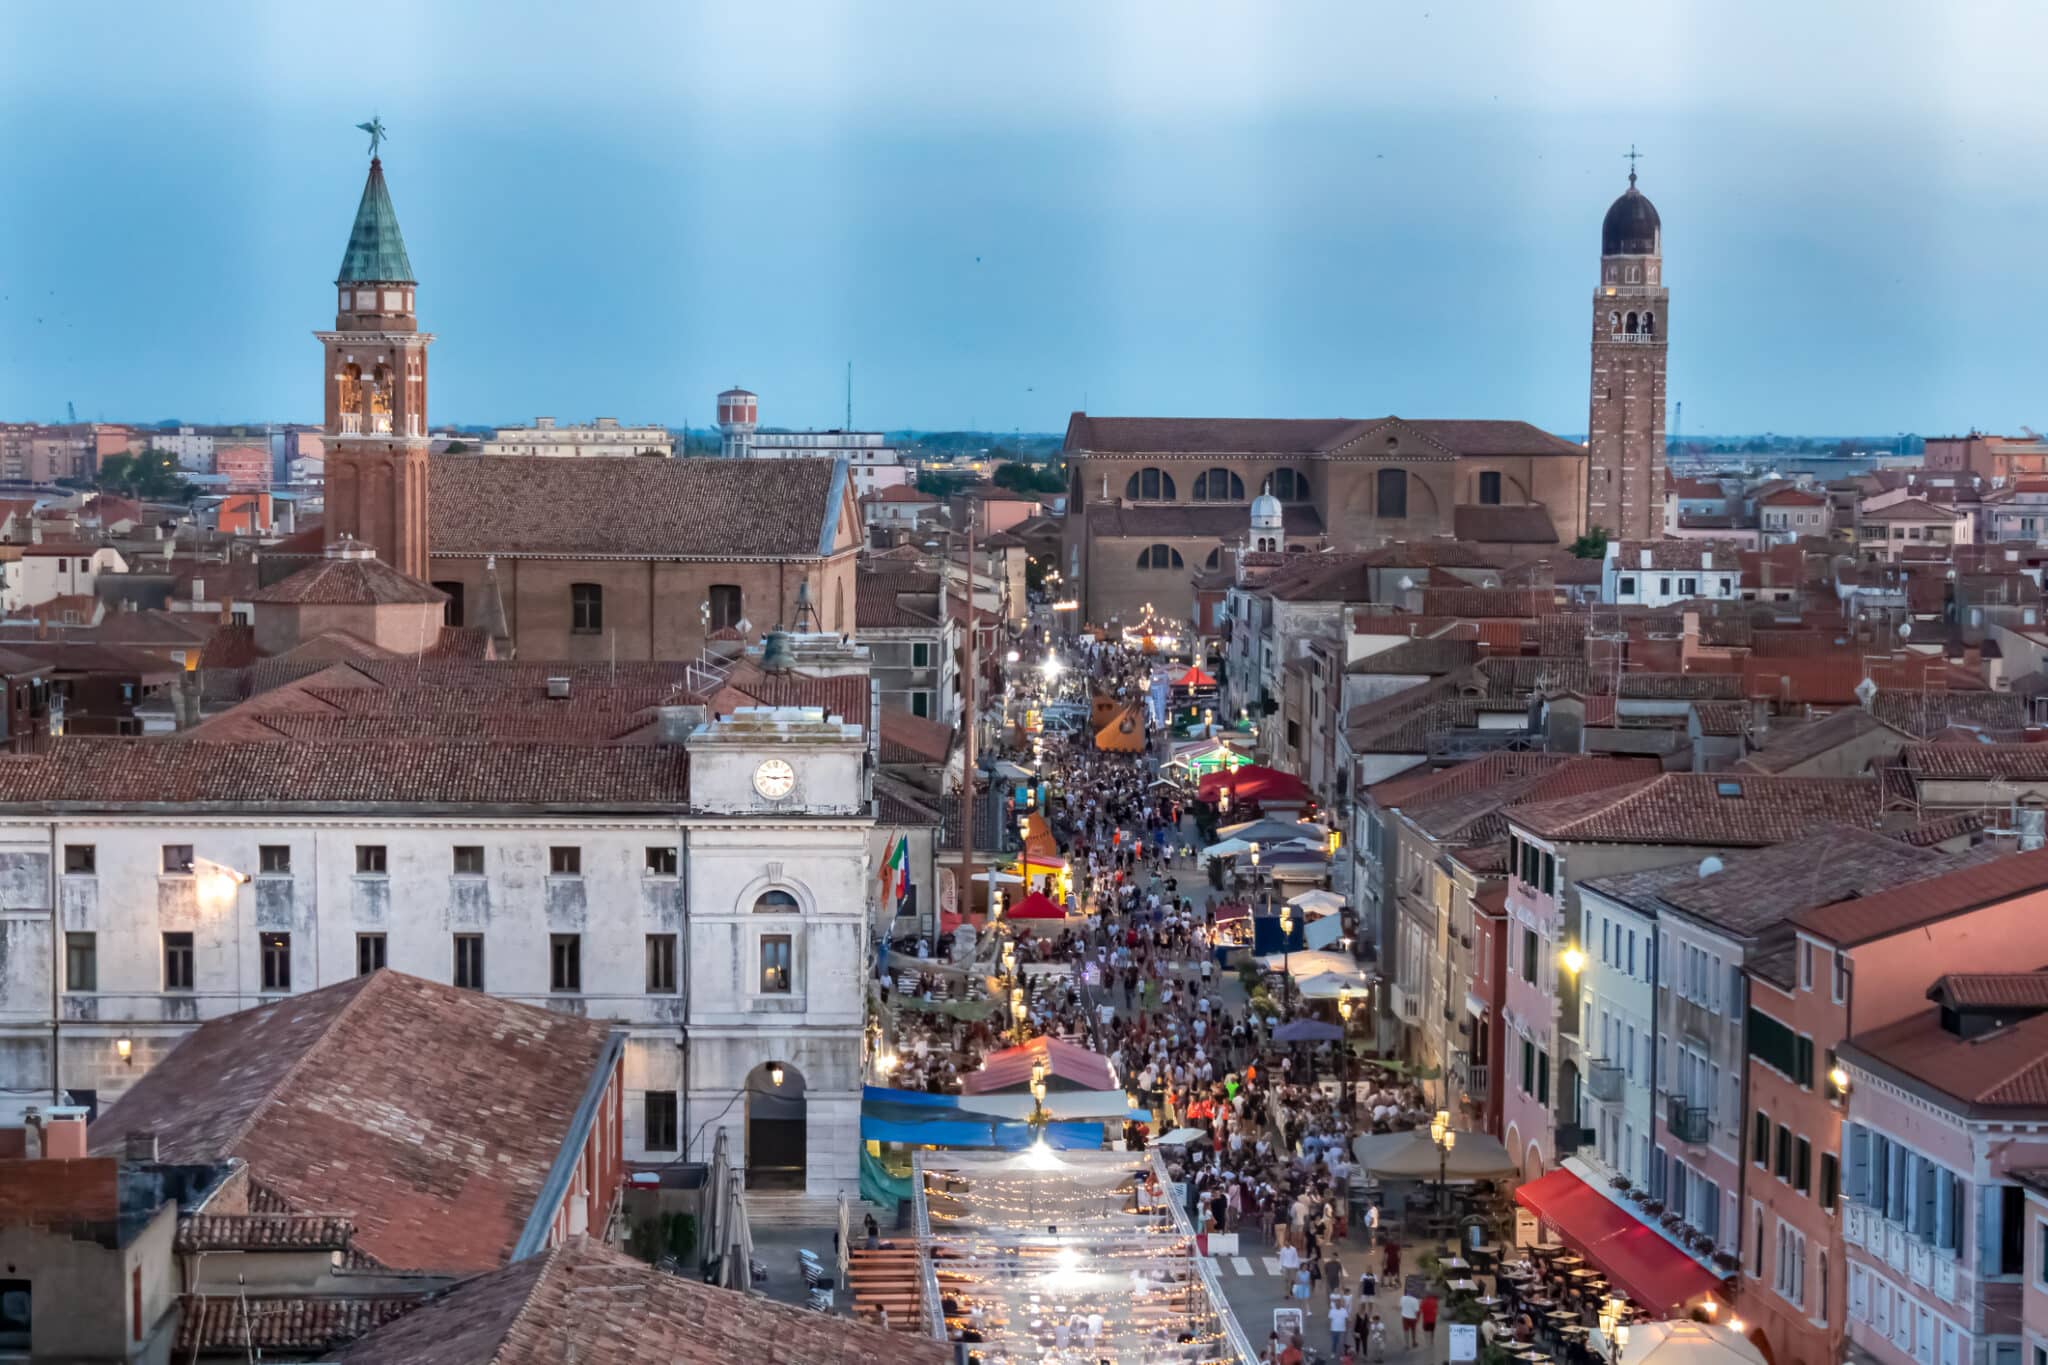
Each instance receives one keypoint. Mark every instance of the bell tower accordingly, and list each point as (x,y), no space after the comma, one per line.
(1631,333)
(375,379)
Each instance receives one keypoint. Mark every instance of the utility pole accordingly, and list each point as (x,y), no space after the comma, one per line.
(849,395)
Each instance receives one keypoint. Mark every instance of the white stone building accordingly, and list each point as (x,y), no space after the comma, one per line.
(710,892)
(1660,573)
(1617,1029)
(52,570)
(600,438)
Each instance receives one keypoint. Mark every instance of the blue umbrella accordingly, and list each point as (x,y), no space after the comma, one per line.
(1307,1031)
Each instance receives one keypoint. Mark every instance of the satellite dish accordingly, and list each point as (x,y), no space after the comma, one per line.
(1709,865)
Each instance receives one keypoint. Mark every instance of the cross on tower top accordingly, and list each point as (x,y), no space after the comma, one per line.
(1632,156)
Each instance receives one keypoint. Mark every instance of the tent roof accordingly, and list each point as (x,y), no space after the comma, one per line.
(1037,905)
(1412,1156)
(1068,1062)
(1195,677)
(1254,782)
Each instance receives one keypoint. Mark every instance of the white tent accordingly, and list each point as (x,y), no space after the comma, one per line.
(1412,1156)
(1683,1342)
(1315,962)
(1229,848)
(999,878)
(1331,985)
(1317,902)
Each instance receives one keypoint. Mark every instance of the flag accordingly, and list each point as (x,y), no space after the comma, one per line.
(893,861)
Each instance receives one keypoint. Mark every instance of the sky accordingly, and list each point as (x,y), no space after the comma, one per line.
(1000,213)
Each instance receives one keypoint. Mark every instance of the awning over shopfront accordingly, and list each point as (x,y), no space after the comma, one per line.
(1631,1253)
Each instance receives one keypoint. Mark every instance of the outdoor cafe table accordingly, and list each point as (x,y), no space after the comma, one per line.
(1456,1263)
(1465,1286)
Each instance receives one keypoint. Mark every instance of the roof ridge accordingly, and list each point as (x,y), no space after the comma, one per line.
(547,1258)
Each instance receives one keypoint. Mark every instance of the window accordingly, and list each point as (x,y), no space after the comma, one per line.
(565,962)
(1160,557)
(1289,485)
(81,962)
(1529,956)
(17,1315)
(658,1133)
(276,953)
(565,861)
(1781,1165)
(274,860)
(1626,586)
(775,964)
(661,861)
(1805,966)
(776,903)
(725,606)
(469,860)
(1150,485)
(1830,1180)
(1542,1076)
(921,655)
(1391,494)
(178,962)
(1802,1166)
(1219,485)
(369,953)
(469,961)
(451,610)
(1790,1279)
(1840,991)
(586,608)
(1489,488)
(1528,1066)
(369,860)
(661,964)
(1688,587)
(1760,1139)
(81,860)
(921,704)
(177,859)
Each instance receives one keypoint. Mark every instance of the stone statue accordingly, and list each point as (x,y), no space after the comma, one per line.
(375,128)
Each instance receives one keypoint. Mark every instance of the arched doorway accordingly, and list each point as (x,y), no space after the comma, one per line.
(776,1136)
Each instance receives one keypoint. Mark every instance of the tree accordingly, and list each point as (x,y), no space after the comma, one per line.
(1592,545)
(153,475)
(1026,478)
(940,484)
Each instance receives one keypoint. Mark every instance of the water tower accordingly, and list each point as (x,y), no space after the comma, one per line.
(739,412)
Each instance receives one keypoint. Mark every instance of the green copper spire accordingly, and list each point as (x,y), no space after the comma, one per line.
(376,251)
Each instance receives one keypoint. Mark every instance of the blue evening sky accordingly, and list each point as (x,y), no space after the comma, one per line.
(999,211)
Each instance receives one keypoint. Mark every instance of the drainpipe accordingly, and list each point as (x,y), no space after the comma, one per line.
(683,1090)
(56,977)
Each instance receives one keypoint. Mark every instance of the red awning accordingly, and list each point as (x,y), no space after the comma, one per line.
(1037,905)
(1632,1254)
(1253,782)
(1195,677)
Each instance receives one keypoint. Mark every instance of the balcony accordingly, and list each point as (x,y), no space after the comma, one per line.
(1604,1082)
(1475,1082)
(351,424)
(1688,1122)
(1456,744)
(1692,1019)
(1571,1137)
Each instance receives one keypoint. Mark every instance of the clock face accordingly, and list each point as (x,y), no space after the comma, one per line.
(774,779)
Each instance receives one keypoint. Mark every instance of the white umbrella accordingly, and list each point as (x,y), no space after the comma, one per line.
(1684,1342)
(1000,878)
(1229,848)
(1317,902)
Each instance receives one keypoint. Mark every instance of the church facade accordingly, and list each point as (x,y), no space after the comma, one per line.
(578,561)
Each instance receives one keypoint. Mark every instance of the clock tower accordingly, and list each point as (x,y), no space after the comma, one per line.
(1631,334)
(375,380)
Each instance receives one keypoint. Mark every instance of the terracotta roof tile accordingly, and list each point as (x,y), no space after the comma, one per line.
(696,509)
(1976,762)
(347,583)
(264,1232)
(1989,882)
(427,1115)
(1717,810)
(1992,990)
(585,1304)
(906,738)
(2001,1071)
(229,1324)
(1504,524)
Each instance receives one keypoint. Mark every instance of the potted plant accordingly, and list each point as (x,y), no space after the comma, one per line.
(1620,1182)
(1653,1206)
(1727,1260)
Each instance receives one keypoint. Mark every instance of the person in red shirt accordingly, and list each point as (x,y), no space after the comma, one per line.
(1429,1307)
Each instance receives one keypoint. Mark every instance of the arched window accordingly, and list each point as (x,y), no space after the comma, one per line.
(1649,324)
(1160,557)
(1219,485)
(1614,323)
(1392,493)
(1629,324)
(1150,485)
(1215,559)
(776,903)
(1289,485)
(1267,545)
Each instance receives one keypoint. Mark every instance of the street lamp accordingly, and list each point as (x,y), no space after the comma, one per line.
(1018,1010)
(1441,1134)
(1573,960)
(1614,1327)
(1286,951)
(1011,657)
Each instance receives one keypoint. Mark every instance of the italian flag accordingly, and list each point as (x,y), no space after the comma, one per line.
(894,864)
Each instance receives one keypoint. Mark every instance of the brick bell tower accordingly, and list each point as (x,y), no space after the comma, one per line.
(1631,325)
(376,385)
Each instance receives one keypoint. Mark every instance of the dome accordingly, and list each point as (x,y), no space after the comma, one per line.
(1631,227)
(1266,510)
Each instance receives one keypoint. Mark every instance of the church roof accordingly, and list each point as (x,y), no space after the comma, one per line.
(376,251)
(1632,227)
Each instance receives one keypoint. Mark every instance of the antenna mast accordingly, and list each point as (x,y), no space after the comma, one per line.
(849,395)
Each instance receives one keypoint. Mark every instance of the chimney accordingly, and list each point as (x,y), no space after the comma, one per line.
(1645,553)
(140,1146)
(676,722)
(558,689)
(64,1138)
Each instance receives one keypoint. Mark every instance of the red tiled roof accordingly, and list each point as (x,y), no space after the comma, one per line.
(1504,524)
(2003,1070)
(1911,509)
(1718,810)
(665,509)
(1627,555)
(583,1304)
(1993,990)
(1519,603)
(263,1232)
(228,1323)
(906,738)
(901,492)
(1793,497)
(429,1116)
(422,772)
(1976,762)
(348,582)
(1851,922)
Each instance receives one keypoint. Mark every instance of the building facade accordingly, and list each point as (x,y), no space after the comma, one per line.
(603,437)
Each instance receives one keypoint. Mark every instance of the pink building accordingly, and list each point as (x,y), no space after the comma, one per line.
(1948,1112)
